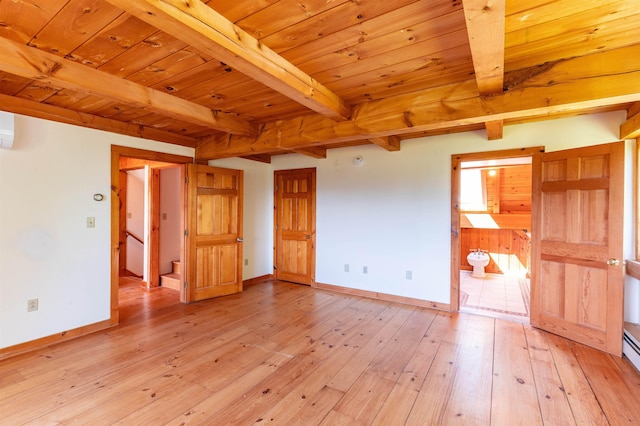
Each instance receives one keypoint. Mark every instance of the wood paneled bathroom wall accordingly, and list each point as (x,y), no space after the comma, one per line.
(504,228)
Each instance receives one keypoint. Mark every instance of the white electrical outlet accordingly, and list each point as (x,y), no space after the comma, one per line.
(91,222)
(32,305)
(346,267)
(365,269)
(409,275)
(246,262)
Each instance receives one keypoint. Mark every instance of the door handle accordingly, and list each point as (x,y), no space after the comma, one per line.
(613,262)
(240,239)
(308,237)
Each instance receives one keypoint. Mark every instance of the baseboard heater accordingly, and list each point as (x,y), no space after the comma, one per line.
(631,349)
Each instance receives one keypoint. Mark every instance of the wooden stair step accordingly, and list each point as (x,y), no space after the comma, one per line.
(171,281)
(175,267)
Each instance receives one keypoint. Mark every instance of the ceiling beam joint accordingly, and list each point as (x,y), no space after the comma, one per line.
(630,129)
(390,143)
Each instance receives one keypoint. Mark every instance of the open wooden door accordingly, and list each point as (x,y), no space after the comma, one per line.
(214,232)
(577,281)
(295,225)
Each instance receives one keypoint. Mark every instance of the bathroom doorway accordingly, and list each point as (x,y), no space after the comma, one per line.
(491,216)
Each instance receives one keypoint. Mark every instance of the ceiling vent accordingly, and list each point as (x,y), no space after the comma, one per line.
(6,130)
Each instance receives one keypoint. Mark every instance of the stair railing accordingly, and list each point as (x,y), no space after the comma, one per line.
(134,236)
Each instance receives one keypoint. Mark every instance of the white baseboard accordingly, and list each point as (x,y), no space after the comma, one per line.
(631,349)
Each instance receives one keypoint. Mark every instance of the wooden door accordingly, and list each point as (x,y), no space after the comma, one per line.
(577,284)
(214,232)
(295,225)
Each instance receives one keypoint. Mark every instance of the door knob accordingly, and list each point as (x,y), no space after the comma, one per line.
(239,240)
(613,262)
(308,237)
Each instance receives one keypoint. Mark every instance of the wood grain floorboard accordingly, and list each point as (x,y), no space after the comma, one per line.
(286,354)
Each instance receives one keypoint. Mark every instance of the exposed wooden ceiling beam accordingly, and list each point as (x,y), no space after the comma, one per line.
(261,158)
(486,30)
(485,27)
(633,109)
(630,129)
(596,80)
(63,115)
(390,143)
(47,68)
(494,129)
(313,151)
(198,25)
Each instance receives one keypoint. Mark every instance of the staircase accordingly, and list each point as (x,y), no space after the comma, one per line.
(172,280)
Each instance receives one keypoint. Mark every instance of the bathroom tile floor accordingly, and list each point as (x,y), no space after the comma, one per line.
(497,296)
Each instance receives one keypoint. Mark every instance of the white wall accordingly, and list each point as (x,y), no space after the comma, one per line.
(392,214)
(631,285)
(136,191)
(170,224)
(47,182)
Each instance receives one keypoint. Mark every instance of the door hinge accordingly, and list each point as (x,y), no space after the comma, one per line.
(186,285)
(186,232)
(186,180)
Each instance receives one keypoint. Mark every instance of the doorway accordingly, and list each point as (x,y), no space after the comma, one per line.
(123,159)
(491,215)
(150,222)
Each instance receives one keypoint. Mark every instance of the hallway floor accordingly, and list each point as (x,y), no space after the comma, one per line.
(497,296)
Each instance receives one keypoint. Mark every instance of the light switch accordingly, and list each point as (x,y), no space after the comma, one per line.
(91,222)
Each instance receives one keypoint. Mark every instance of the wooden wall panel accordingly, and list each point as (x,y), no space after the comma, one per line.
(508,249)
(515,189)
(509,190)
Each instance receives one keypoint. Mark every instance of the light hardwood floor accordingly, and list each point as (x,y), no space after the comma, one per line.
(281,353)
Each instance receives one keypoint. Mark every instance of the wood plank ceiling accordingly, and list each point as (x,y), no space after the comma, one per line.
(255,78)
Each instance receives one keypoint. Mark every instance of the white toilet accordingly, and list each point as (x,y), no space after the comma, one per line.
(478,259)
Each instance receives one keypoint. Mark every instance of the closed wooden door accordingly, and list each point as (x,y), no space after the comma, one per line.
(295,233)
(214,232)
(577,282)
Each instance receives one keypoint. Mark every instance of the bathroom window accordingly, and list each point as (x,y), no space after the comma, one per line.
(473,190)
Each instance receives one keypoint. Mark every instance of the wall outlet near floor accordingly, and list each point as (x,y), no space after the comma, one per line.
(32,305)
(246,262)
(346,267)
(409,275)
(365,269)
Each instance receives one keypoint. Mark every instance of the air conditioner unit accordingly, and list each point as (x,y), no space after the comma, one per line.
(6,130)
